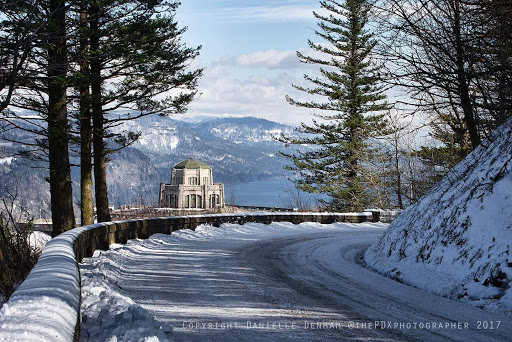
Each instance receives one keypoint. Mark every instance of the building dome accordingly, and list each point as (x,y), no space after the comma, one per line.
(191,164)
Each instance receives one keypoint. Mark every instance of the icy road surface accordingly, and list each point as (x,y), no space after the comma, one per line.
(279,282)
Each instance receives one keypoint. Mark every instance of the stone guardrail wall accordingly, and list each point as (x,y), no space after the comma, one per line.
(53,285)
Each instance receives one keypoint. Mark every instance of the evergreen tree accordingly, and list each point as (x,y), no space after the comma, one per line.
(20,26)
(115,54)
(34,66)
(349,117)
(63,217)
(85,124)
(135,62)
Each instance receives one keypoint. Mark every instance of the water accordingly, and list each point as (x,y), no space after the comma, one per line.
(269,193)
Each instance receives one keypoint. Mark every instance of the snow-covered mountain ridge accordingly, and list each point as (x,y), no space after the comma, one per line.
(456,241)
(243,130)
(239,150)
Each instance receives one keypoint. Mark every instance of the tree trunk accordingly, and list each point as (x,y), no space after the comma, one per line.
(63,217)
(462,81)
(86,197)
(398,176)
(100,177)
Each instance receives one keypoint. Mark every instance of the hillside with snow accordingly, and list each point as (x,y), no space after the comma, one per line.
(222,143)
(244,130)
(240,150)
(456,241)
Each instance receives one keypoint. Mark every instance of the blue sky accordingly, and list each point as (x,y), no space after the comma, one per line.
(249,52)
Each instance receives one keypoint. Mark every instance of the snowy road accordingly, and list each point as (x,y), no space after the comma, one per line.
(288,283)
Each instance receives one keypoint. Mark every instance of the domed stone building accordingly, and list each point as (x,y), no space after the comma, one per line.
(191,187)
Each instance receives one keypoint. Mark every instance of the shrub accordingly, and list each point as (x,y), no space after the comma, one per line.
(17,256)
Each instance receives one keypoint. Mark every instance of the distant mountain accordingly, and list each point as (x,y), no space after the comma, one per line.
(24,191)
(132,178)
(23,188)
(239,150)
(245,130)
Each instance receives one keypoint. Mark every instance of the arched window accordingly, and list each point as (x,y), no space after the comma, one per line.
(187,201)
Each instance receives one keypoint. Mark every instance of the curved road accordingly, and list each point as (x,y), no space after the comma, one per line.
(309,284)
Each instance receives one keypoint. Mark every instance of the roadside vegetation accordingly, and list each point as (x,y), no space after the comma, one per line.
(17,255)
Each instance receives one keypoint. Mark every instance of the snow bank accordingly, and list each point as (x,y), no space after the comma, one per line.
(107,315)
(45,306)
(456,241)
(39,239)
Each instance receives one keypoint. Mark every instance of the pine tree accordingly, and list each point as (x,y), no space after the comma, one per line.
(136,63)
(63,217)
(350,83)
(20,25)
(36,53)
(115,54)
(85,124)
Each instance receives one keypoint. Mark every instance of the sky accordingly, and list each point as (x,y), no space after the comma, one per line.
(249,55)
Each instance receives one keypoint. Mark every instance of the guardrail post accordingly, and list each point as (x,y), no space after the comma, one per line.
(376,215)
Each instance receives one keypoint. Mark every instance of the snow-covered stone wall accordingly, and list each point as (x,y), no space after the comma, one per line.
(456,241)
(46,305)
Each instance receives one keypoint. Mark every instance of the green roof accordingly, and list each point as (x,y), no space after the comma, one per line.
(191,164)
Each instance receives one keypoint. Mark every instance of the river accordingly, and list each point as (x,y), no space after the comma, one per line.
(270,193)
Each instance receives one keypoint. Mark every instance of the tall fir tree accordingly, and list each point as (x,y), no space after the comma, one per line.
(135,65)
(349,117)
(63,217)
(84,119)
(35,52)
(116,55)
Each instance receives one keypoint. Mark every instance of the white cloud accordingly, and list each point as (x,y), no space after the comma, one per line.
(271,59)
(260,95)
(268,13)
(255,84)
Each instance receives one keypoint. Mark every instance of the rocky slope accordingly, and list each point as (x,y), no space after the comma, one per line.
(456,241)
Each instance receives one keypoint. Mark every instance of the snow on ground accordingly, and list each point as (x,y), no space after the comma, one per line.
(256,282)
(7,160)
(109,315)
(44,307)
(456,241)
(39,239)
